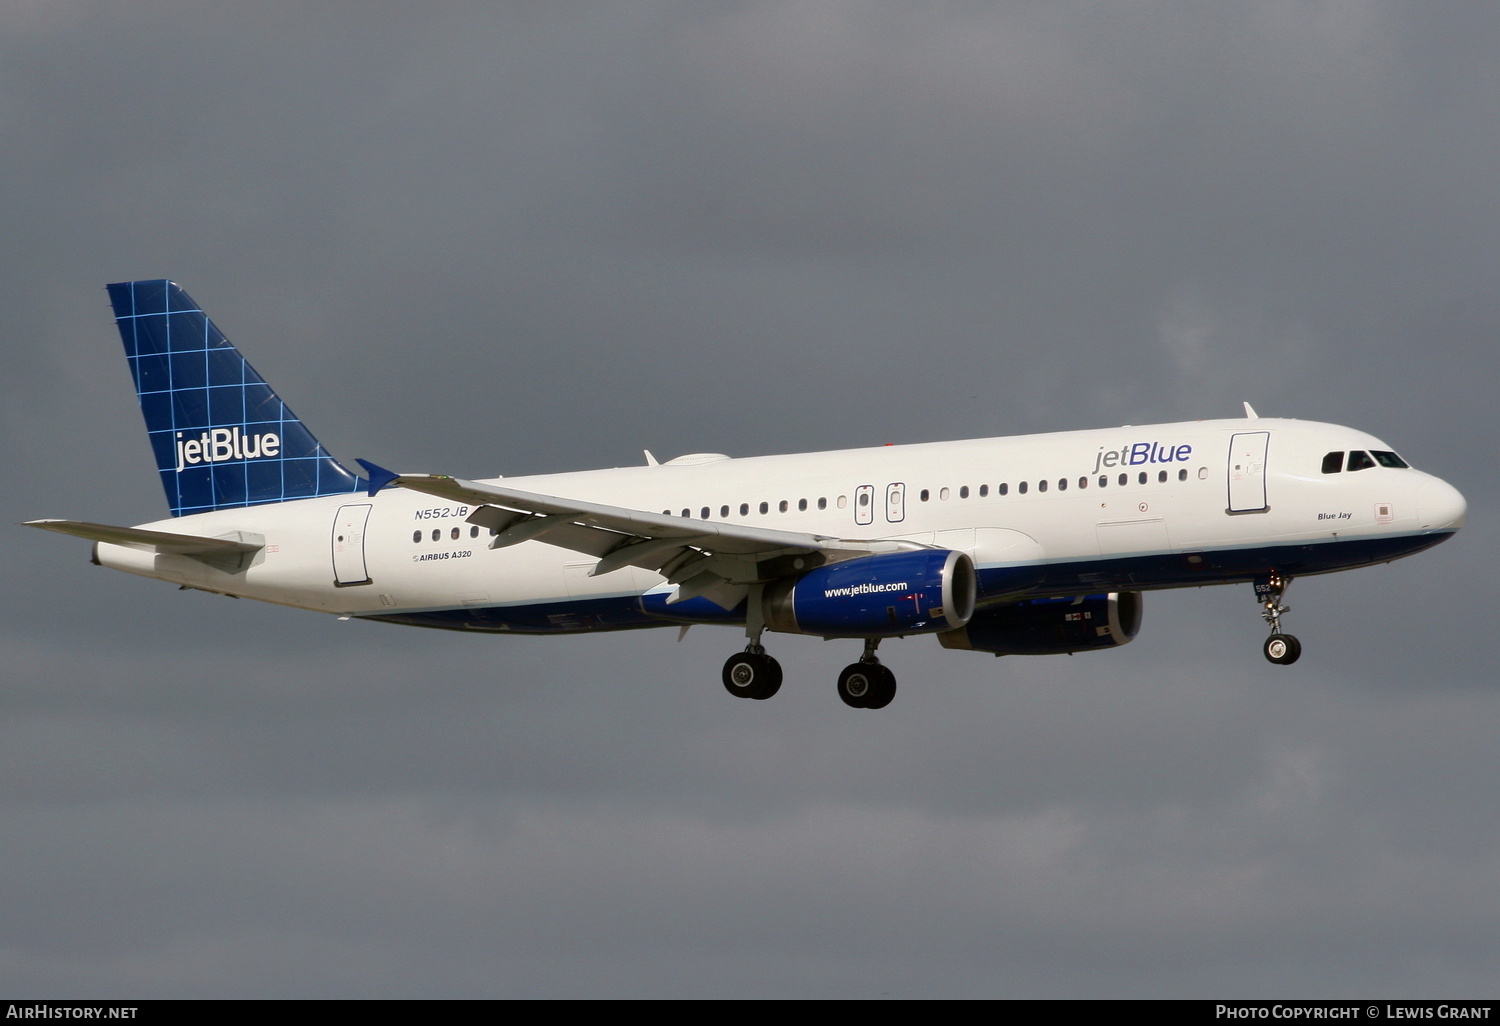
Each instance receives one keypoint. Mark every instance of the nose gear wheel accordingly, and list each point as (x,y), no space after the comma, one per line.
(1282,649)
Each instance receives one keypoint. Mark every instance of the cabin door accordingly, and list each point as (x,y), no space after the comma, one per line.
(1247,472)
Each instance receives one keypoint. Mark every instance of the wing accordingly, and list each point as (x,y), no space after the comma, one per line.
(719,561)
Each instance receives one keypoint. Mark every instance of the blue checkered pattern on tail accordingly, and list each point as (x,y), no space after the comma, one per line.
(221,437)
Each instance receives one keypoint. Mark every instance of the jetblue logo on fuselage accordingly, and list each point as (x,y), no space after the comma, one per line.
(1137,453)
(220,444)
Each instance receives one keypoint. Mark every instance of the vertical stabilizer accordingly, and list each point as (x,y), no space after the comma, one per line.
(221,437)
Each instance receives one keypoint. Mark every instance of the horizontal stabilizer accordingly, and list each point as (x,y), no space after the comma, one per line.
(231,555)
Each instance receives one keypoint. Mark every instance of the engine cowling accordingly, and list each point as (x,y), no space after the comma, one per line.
(1051,626)
(914,592)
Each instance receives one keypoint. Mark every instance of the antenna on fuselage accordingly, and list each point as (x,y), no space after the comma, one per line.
(1250,413)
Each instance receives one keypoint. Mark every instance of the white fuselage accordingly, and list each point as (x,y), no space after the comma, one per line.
(1201,502)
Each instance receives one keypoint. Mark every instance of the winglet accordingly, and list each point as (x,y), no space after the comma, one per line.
(379,476)
(1250,413)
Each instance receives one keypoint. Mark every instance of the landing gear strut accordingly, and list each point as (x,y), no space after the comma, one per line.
(752,673)
(867,684)
(1279,648)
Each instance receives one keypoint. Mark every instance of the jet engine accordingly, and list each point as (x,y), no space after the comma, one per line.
(914,592)
(1051,626)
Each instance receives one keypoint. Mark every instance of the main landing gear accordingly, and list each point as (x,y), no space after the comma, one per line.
(867,684)
(1279,648)
(753,674)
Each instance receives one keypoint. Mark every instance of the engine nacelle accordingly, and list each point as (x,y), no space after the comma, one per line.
(914,592)
(1051,626)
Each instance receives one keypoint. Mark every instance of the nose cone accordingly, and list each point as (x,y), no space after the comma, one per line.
(1440,507)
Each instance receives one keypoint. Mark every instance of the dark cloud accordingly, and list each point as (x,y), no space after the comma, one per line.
(488,239)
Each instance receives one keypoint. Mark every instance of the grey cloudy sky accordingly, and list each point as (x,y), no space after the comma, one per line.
(513,238)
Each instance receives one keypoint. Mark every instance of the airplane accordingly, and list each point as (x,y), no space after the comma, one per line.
(1036,544)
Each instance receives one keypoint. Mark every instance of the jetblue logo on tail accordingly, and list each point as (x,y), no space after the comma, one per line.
(221,437)
(222,444)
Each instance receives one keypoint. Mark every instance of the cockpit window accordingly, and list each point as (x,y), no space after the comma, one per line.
(1389,459)
(1333,463)
(1359,461)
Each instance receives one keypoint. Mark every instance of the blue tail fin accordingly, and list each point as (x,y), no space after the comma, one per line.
(221,437)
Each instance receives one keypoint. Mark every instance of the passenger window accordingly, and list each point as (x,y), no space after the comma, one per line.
(822,502)
(1103,480)
(687,513)
(416,536)
(765,507)
(744,509)
(1359,461)
(1083,482)
(1387,458)
(1143,477)
(1124,479)
(943,494)
(924,495)
(453,534)
(1004,488)
(801,505)
(1161,478)
(1182,474)
(1333,462)
(984,490)
(1062,484)
(963,493)
(1021,488)
(723,511)
(705,512)
(843,501)
(782,506)
(436,534)
(474,531)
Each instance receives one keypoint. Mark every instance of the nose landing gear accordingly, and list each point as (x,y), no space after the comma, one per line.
(1282,649)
